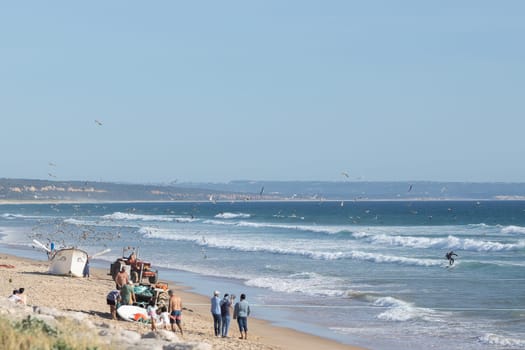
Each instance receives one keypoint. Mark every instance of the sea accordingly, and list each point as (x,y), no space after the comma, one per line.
(367,273)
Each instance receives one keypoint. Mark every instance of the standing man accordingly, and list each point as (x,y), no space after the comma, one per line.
(121,279)
(127,294)
(175,310)
(226,304)
(241,313)
(216,313)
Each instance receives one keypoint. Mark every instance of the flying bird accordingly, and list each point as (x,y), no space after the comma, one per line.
(52,164)
(98,122)
(410,188)
(262,190)
(345,174)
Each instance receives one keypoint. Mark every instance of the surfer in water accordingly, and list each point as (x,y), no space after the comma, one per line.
(450,258)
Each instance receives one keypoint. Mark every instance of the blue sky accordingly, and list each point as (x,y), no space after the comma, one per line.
(262,90)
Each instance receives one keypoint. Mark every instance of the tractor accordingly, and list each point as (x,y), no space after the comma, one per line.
(137,269)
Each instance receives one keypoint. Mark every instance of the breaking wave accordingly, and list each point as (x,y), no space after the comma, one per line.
(293,247)
(513,229)
(399,310)
(232,215)
(137,217)
(494,339)
(306,282)
(306,228)
(450,242)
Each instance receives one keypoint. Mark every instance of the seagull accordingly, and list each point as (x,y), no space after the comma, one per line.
(262,190)
(51,175)
(98,122)
(410,188)
(345,174)
(52,164)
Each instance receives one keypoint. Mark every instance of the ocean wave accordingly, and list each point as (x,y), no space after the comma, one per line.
(232,215)
(450,242)
(90,223)
(10,216)
(399,310)
(368,296)
(382,258)
(306,228)
(252,245)
(78,222)
(292,247)
(309,283)
(136,217)
(494,339)
(513,229)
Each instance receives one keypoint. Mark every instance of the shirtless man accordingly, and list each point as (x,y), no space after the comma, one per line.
(175,310)
(121,279)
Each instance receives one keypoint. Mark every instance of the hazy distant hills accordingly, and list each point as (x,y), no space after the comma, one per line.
(362,190)
(45,190)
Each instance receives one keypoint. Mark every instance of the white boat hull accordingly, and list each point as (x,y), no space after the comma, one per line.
(68,261)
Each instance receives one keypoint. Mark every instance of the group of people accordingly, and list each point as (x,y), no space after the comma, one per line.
(166,315)
(124,294)
(221,313)
(221,309)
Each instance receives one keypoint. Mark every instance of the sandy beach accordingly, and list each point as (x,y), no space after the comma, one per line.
(88,296)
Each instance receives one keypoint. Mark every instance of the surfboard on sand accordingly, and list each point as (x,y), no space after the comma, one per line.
(132,313)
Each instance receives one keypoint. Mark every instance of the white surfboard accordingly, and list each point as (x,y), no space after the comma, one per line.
(132,313)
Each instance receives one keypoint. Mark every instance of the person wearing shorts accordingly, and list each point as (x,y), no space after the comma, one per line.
(175,310)
(112,300)
(241,313)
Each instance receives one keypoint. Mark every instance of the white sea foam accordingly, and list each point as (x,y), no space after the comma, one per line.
(262,225)
(513,229)
(137,217)
(290,247)
(232,215)
(382,258)
(313,250)
(78,222)
(399,310)
(450,242)
(361,295)
(494,339)
(309,283)
(10,216)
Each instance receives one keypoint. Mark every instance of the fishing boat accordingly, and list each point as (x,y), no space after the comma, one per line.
(68,261)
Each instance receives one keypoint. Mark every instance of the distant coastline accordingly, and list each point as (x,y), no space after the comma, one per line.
(50,202)
(14,191)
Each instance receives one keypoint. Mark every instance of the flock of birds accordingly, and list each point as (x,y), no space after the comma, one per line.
(66,234)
